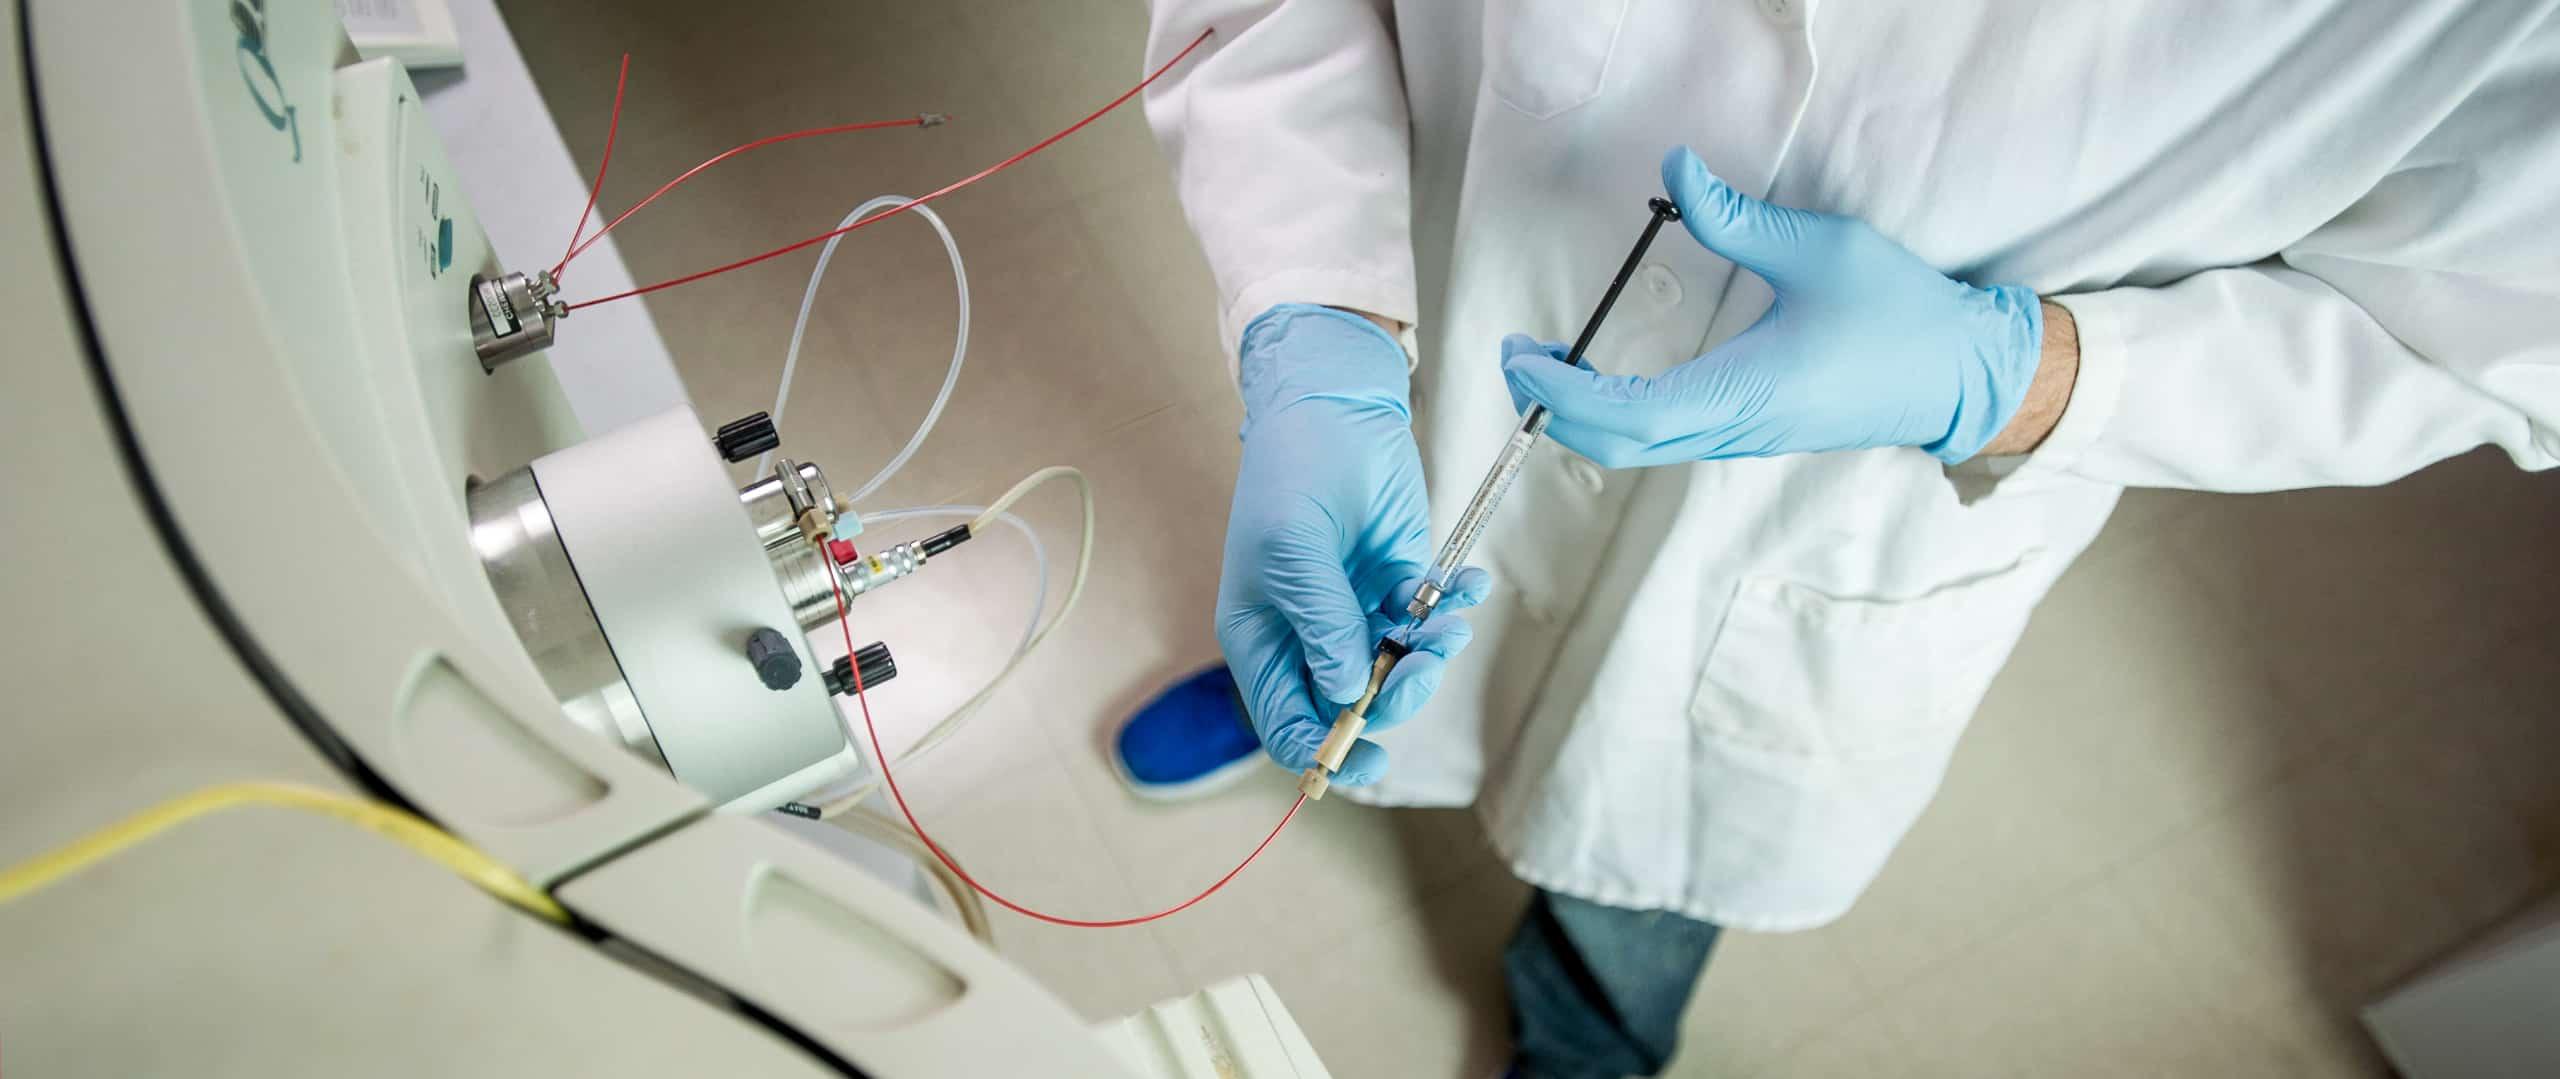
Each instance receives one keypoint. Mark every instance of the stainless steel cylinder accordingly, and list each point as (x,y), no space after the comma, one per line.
(512,315)
(802,573)
(520,550)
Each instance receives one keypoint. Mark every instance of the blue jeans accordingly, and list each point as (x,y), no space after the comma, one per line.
(1597,992)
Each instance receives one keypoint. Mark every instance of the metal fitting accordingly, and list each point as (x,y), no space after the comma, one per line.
(813,504)
(791,510)
(1426,599)
(880,567)
(512,315)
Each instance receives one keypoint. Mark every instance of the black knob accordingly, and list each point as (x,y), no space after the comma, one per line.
(774,660)
(743,439)
(877,667)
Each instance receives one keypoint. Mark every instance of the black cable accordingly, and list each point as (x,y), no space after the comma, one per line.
(227,622)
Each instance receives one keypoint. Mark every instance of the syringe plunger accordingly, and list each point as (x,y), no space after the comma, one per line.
(1533,425)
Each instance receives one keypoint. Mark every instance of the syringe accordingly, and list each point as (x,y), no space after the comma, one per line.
(1462,540)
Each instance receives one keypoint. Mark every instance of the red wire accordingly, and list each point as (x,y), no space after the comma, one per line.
(846,623)
(910,204)
(612,128)
(577,249)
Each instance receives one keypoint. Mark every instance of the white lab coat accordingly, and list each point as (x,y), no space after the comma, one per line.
(2306,243)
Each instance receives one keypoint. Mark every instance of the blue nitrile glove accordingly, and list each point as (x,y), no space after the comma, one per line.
(1864,346)
(1328,537)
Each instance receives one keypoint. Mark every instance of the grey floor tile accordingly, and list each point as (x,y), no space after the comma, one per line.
(1418,995)
(1850,1050)
(2126,714)
(2356,600)
(2312,890)
(2077,988)
(1765,996)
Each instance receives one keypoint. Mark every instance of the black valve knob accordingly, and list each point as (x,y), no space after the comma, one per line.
(774,659)
(877,667)
(742,439)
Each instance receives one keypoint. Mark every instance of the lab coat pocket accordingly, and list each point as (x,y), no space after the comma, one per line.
(1547,56)
(1798,671)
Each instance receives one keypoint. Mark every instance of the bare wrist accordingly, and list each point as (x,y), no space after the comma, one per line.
(1393,327)
(2057,368)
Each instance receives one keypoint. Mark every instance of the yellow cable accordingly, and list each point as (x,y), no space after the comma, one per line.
(406,829)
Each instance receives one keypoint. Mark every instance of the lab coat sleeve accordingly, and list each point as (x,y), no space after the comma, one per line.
(2421,322)
(1287,133)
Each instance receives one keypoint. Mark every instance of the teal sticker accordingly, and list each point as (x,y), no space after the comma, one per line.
(258,72)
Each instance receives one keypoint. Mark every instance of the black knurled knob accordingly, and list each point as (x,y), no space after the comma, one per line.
(877,667)
(742,439)
(774,660)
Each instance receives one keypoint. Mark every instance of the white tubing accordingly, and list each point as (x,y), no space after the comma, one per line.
(950,724)
(1039,555)
(1021,648)
(800,326)
(965,904)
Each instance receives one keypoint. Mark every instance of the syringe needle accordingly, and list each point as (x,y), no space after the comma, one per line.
(1462,540)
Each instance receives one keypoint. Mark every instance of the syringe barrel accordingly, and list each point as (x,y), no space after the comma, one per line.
(1479,511)
(1533,426)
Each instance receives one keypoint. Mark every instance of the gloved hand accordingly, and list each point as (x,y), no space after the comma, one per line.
(1328,537)
(1864,346)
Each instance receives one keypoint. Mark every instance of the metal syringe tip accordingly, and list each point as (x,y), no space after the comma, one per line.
(1426,599)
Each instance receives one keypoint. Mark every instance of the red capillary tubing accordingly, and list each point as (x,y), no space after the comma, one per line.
(612,128)
(845,622)
(577,249)
(910,204)
(843,619)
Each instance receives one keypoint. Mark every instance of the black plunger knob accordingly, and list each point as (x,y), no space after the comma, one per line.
(743,439)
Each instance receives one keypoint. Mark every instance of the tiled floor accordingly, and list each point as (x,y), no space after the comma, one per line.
(2256,759)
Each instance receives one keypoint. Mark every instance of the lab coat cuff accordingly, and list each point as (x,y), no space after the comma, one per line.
(1330,286)
(2094,393)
